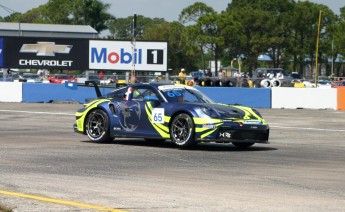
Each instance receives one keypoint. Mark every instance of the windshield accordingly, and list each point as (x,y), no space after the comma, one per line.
(183,94)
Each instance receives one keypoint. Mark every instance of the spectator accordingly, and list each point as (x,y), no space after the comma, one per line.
(280,75)
(101,75)
(270,75)
(208,73)
(237,76)
(260,75)
(182,76)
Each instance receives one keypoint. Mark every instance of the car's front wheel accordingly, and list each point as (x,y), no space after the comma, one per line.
(182,130)
(97,126)
(242,145)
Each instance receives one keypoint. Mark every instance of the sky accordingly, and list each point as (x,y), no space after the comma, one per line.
(167,9)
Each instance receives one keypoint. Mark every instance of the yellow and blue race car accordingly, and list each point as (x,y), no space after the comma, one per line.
(178,113)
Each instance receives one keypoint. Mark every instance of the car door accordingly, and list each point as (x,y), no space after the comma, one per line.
(136,113)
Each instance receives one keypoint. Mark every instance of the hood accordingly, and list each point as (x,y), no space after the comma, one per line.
(233,111)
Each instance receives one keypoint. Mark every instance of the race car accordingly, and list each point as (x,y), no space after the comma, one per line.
(177,113)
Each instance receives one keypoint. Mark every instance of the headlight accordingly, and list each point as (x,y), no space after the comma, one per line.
(210,112)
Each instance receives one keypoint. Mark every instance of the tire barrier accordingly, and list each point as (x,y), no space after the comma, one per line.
(218,83)
(190,83)
(266,83)
(276,83)
(229,83)
(208,82)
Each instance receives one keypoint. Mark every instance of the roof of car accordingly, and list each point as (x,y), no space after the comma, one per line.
(153,84)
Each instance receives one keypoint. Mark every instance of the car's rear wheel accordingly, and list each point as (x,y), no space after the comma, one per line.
(182,130)
(242,145)
(97,126)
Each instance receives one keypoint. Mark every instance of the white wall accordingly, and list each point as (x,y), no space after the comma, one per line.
(11,92)
(309,98)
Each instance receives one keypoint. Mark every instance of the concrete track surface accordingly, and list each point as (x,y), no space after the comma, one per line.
(302,169)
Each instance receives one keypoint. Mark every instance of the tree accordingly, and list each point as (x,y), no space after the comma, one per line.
(85,12)
(121,28)
(304,33)
(191,16)
(181,54)
(91,12)
(278,25)
(252,27)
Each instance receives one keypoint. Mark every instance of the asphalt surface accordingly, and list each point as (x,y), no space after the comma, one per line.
(302,169)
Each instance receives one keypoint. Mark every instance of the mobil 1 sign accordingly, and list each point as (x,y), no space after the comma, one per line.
(120,55)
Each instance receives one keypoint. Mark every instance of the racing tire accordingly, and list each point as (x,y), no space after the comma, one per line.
(182,130)
(230,84)
(242,145)
(97,126)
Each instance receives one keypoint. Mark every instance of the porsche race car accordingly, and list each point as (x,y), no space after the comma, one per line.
(178,113)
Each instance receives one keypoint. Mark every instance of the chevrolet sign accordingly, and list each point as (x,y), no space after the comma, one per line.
(46,48)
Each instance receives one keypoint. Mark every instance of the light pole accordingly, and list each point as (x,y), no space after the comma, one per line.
(317,50)
(134,34)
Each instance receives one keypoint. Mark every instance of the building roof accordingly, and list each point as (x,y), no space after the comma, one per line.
(47,30)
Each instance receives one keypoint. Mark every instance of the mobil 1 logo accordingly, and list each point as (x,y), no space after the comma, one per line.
(155,56)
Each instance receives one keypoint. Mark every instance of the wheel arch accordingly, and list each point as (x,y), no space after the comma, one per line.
(99,106)
(190,113)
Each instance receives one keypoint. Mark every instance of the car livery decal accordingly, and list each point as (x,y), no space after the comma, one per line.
(80,116)
(163,128)
(206,126)
(129,114)
(250,115)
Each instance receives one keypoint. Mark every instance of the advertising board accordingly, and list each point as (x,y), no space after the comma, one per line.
(45,53)
(121,55)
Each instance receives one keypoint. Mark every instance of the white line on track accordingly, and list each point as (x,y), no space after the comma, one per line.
(306,128)
(45,113)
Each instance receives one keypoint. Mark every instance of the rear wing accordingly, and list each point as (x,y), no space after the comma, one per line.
(98,92)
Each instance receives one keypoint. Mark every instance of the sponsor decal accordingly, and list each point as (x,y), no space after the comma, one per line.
(252,122)
(103,56)
(64,63)
(46,48)
(209,126)
(122,55)
(224,135)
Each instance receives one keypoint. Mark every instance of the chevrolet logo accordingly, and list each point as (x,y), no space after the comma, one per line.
(46,48)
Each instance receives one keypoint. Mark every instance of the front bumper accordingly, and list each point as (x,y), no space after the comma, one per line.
(75,128)
(231,133)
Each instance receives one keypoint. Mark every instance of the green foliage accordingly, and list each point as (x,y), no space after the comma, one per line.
(191,14)
(122,28)
(83,12)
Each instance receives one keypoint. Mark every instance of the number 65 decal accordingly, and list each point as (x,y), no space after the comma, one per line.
(158,115)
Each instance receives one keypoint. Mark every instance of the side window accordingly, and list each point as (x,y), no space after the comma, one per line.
(140,93)
(117,94)
(188,97)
